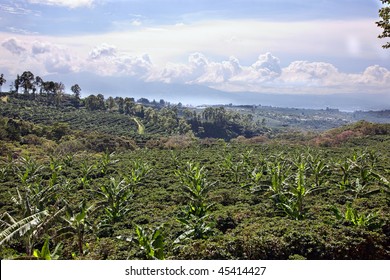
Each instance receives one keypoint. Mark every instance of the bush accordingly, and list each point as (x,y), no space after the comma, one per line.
(178,142)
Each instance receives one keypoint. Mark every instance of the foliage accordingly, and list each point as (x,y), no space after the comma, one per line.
(195,215)
(352,216)
(115,198)
(77,222)
(98,179)
(384,23)
(45,254)
(151,243)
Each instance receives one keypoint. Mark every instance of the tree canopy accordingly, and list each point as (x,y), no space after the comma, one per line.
(384,23)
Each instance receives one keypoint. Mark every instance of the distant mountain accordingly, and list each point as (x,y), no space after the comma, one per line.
(199,95)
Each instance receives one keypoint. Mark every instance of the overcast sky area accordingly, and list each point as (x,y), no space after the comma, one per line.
(264,46)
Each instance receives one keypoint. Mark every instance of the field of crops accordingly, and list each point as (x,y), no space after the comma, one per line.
(212,200)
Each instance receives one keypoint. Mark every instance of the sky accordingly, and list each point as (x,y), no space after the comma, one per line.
(274,47)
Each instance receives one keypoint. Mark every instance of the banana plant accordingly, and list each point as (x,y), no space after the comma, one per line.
(346,167)
(278,173)
(151,242)
(292,200)
(255,176)
(28,170)
(232,168)
(195,215)
(86,171)
(115,198)
(34,197)
(55,169)
(29,229)
(107,160)
(195,228)
(77,222)
(246,159)
(26,228)
(318,169)
(3,174)
(138,172)
(195,183)
(362,189)
(293,206)
(353,217)
(39,208)
(384,182)
(45,254)
(68,159)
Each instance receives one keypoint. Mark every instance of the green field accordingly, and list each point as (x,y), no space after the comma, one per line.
(82,184)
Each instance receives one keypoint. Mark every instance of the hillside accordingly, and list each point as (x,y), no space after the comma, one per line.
(92,179)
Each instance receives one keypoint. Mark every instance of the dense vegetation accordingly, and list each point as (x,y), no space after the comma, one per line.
(81,179)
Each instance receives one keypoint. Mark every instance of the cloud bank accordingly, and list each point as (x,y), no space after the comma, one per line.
(264,75)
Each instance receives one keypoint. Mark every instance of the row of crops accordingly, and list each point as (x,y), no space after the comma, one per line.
(79,119)
(223,201)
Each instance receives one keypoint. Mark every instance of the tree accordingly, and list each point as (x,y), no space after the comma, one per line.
(27,81)
(93,102)
(121,103)
(143,100)
(17,83)
(76,90)
(48,87)
(2,81)
(39,83)
(384,23)
(128,106)
(59,89)
(110,103)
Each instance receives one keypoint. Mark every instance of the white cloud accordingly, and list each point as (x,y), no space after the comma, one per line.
(133,65)
(106,60)
(40,48)
(13,46)
(59,62)
(267,62)
(104,50)
(265,75)
(375,75)
(200,70)
(40,56)
(64,3)
(311,73)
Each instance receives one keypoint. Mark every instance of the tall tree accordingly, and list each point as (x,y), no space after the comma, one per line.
(59,93)
(384,23)
(76,89)
(39,83)
(2,81)
(49,87)
(17,83)
(27,81)
(121,103)
(93,102)
(110,103)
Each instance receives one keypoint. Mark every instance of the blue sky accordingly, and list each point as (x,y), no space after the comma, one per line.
(61,17)
(264,46)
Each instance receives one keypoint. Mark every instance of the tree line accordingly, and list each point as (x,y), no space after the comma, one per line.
(160,116)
